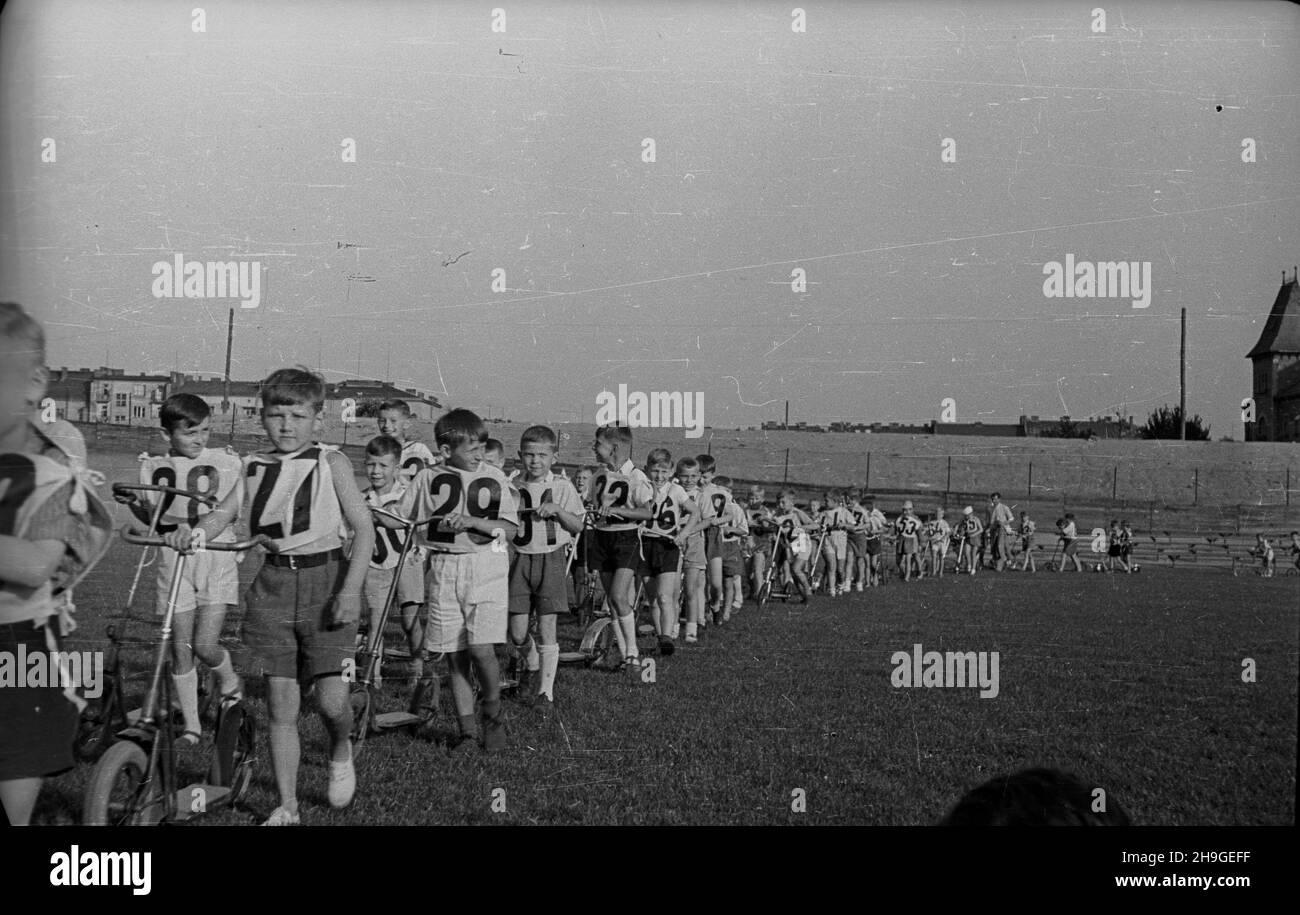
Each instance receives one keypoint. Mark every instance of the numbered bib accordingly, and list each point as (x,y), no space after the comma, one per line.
(293,498)
(415,457)
(439,492)
(544,535)
(214,472)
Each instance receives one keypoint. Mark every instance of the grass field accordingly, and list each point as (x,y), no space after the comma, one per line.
(1134,683)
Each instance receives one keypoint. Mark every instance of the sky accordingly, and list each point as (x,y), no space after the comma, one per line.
(522,152)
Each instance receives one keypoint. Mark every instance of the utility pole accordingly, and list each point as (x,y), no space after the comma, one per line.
(225,397)
(787,414)
(1182,379)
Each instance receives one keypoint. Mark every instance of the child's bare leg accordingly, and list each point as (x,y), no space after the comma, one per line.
(666,598)
(283,698)
(622,598)
(715,584)
(336,714)
(18,798)
(413,626)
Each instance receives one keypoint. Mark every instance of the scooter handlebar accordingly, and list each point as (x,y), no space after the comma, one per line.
(141,537)
(201,497)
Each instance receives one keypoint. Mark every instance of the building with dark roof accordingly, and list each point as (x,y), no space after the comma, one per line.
(1275,370)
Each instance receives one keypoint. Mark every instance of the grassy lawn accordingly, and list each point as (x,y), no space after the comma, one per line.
(1133,683)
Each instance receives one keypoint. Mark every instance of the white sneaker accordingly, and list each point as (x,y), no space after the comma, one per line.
(282,817)
(343,782)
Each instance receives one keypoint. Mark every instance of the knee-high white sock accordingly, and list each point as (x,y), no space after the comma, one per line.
(531,657)
(550,659)
(187,694)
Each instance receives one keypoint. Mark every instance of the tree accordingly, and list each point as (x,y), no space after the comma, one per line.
(1166,421)
(1065,429)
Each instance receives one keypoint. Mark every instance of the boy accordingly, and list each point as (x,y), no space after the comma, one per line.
(793,546)
(621,495)
(969,530)
(835,547)
(210,583)
(387,489)
(550,516)
(873,529)
(1126,545)
(1027,543)
(1070,540)
(1295,549)
(494,452)
(733,530)
(908,528)
(467,582)
(714,508)
(53,531)
(394,419)
(937,535)
(695,564)
(1264,551)
(581,482)
(300,624)
(673,520)
(858,574)
(762,527)
(1112,546)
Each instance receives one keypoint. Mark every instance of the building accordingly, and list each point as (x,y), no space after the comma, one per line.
(1275,370)
(364,392)
(245,396)
(70,391)
(127,400)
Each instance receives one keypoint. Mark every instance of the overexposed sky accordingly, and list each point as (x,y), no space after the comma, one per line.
(522,151)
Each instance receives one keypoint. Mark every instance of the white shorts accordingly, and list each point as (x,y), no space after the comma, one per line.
(210,577)
(468,595)
(838,543)
(410,586)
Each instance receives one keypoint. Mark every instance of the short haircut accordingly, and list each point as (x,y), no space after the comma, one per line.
(292,387)
(494,446)
(183,408)
(1034,797)
(399,405)
(384,446)
(613,432)
(16,324)
(687,463)
(538,435)
(724,482)
(787,494)
(587,468)
(1069,516)
(708,463)
(855,494)
(996,495)
(456,427)
(659,456)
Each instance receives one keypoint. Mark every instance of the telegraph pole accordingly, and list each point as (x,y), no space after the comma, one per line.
(1182,379)
(225,397)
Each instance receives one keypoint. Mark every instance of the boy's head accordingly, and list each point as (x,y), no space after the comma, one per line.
(582,478)
(854,496)
(938,514)
(461,437)
(494,452)
(1069,516)
(1024,514)
(292,400)
(722,482)
(786,500)
(383,461)
(995,498)
(756,495)
(22,365)
(1114,524)
(1123,524)
(688,472)
(613,445)
(708,467)
(187,423)
(537,453)
(1036,797)
(1295,535)
(907,507)
(815,506)
(659,466)
(394,417)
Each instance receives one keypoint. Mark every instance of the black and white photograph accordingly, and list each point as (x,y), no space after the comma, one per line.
(650,413)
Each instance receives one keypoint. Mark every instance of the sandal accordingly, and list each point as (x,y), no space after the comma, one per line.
(282,817)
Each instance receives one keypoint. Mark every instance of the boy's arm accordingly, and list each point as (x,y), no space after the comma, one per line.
(213,523)
(347,603)
(30,563)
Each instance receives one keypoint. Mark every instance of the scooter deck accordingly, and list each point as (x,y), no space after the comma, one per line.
(390,721)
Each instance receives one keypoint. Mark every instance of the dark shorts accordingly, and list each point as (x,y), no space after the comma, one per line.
(37,723)
(1125,550)
(614,550)
(713,543)
(1071,546)
(872,546)
(733,558)
(537,583)
(662,557)
(286,626)
(1113,550)
(858,543)
(762,544)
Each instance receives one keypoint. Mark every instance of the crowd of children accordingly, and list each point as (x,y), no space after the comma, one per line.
(493,562)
